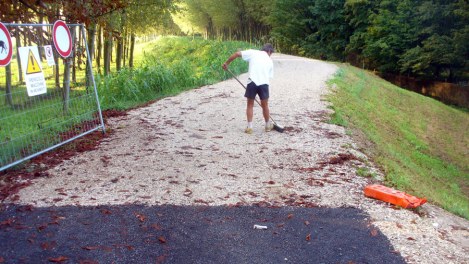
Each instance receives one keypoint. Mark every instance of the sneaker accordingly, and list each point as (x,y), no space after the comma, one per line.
(269,127)
(248,130)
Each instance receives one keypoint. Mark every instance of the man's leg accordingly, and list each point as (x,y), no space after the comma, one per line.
(250,109)
(266,114)
(265,109)
(249,114)
(264,96)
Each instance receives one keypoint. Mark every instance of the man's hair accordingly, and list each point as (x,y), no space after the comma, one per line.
(268,47)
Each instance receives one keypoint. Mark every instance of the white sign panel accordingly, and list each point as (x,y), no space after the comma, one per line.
(49,55)
(32,70)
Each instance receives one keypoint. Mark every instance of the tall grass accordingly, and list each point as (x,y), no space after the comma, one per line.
(421,144)
(168,66)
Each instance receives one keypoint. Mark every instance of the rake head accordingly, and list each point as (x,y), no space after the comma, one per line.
(278,128)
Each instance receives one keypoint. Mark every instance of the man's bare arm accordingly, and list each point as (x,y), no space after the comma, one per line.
(230,59)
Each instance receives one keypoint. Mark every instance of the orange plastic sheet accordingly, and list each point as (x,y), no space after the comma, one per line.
(392,196)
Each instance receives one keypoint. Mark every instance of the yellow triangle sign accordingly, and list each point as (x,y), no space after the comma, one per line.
(33,66)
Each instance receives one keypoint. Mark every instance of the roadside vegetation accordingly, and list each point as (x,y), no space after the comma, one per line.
(168,66)
(420,144)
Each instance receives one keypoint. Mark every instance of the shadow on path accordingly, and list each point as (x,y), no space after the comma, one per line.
(190,234)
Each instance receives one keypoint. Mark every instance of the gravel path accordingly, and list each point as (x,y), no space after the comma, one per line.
(191,150)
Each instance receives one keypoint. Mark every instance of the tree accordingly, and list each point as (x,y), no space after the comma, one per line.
(357,14)
(194,18)
(225,19)
(331,31)
(393,30)
(258,13)
(460,36)
(10,12)
(290,24)
(89,12)
(145,16)
(438,52)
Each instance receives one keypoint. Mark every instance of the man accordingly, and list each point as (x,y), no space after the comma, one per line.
(261,69)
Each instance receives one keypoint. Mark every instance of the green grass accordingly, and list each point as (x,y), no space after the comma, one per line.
(168,66)
(40,124)
(365,172)
(421,144)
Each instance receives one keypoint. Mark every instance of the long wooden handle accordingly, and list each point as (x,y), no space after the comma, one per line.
(255,99)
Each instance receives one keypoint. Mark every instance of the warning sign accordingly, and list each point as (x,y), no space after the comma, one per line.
(32,70)
(33,65)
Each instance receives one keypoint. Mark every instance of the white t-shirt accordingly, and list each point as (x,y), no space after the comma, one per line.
(261,67)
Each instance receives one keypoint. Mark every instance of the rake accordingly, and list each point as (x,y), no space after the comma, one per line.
(276,126)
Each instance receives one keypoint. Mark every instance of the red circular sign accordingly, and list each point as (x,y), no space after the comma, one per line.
(62,38)
(6,49)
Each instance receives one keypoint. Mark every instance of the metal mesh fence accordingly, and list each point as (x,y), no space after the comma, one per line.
(69,109)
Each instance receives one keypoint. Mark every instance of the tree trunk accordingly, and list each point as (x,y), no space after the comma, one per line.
(8,97)
(67,70)
(25,39)
(100,48)
(132,46)
(119,52)
(126,48)
(91,39)
(74,54)
(81,54)
(40,40)
(107,52)
(111,39)
(18,44)
(57,71)
(120,42)
(66,85)
(30,42)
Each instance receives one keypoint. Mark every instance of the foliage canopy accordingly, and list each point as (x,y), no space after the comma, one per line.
(420,38)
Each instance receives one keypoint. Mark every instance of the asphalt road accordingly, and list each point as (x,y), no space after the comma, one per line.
(190,234)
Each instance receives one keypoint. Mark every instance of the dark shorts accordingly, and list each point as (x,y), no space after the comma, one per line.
(252,90)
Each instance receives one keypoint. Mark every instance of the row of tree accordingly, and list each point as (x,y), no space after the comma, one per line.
(112,25)
(225,19)
(422,38)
